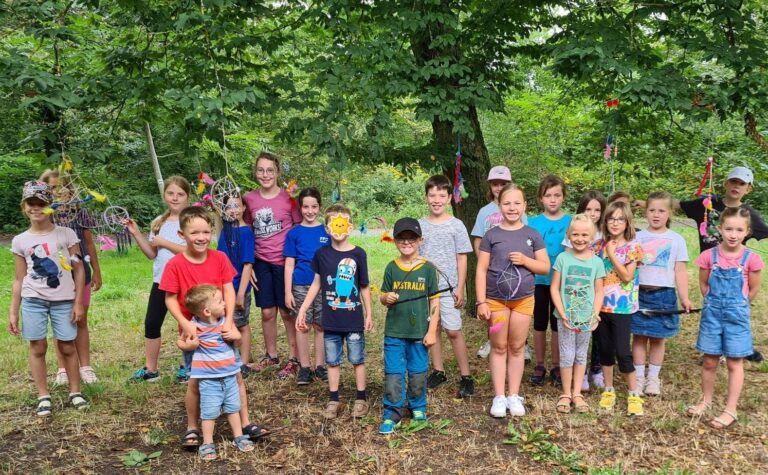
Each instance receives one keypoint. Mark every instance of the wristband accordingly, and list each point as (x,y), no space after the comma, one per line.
(477,304)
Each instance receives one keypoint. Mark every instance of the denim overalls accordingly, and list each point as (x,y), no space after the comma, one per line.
(724,327)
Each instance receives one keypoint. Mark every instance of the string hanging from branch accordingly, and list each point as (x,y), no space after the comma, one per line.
(709,211)
(459,192)
(611,148)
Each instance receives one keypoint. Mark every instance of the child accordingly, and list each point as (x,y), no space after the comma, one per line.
(272,213)
(300,247)
(42,290)
(446,244)
(199,265)
(488,217)
(411,326)
(621,255)
(236,241)
(551,224)
(577,289)
(78,220)
(341,272)
(163,243)
(729,279)
(214,366)
(664,268)
(509,256)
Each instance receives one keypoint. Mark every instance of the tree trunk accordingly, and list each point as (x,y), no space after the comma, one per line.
(153,156)
(750,128)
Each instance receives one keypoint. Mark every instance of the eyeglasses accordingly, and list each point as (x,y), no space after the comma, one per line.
(266,171)
(406,240)
(616,220)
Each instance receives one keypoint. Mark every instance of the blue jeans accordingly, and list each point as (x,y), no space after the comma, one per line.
(217,395)
(334,347)
(34,319)
(403,355)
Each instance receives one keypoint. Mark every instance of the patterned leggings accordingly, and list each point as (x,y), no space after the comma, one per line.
(573,346)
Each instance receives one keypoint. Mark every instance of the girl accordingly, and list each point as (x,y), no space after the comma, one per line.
(551,224)
(509,255)
(577,289)
(300,247)
(42,290)
(621,255)
(664,268)
(272,213)
(729,279)
(164,242)
(78,220)
(237,242)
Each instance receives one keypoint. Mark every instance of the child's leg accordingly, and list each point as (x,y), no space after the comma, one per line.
(436,352)
(417,362)
(658,348)
(302,347)
(517,333)
(567,350)
(541,314)
(639,345)
(290,332)
(554,346)
(356,356)
(456,337)
(37,349)
(359,377)
(708,376)
(208,426)
(319,346)
(450,320)
(605,336)
(245,344)
(334,375)
(497,360)
(192,403)
(69,354)
(234,424)
(735,383)
(395,358)
(579,360)
(622,339)
(153,323)
(269,330)
(245,419)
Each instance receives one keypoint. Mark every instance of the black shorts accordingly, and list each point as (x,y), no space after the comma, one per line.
(543,310)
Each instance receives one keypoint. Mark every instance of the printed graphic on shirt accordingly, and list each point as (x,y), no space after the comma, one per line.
(43,267)
(418,286)
(656,253)
(264,223)
(492,221)
(345,286)
(578,301)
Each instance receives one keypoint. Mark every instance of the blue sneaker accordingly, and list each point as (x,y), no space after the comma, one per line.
(142,375)
(388,426)
(182,375)
(418,416)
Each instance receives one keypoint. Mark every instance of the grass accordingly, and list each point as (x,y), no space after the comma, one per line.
(459,438)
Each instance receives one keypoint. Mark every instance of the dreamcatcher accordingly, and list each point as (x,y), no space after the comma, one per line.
(579,308)
(507,285)
(115,219)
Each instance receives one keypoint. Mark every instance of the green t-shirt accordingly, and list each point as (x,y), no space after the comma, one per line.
(577,282)
(409,319)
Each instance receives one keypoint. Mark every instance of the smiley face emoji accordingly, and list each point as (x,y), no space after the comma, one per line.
(339,226)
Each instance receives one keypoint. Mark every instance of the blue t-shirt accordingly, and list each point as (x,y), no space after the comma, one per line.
(301,243)
(237,243)
(342,275)
(553,231)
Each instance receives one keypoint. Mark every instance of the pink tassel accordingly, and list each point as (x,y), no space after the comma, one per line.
(107,243)
(703,229)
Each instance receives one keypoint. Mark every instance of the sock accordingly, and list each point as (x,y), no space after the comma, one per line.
(640,371)
(653,371)
(609,388)
(634,393)
(466,376)
(361,395)
(333,395)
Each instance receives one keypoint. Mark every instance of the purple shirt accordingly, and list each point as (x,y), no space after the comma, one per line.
(271,219)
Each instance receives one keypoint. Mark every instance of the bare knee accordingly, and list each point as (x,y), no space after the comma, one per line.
(453,334)
(516,349)
(67,348)
(268,314)
(734,363)
(38,348)
(499,348)
(710,362)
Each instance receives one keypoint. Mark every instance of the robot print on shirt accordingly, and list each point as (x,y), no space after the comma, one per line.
(345,286)
(43,267)
(264,223)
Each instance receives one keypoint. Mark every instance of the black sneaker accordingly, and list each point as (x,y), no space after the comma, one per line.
(466,386)
(539,373)
(554,374)
(321,373)
(755,357)
(304,377)
(436,379)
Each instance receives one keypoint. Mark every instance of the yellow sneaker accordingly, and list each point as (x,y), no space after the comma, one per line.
(607,401)
(634,406)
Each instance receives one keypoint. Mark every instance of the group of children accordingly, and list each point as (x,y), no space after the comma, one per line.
(569,274)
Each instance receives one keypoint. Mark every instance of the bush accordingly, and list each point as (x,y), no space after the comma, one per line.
(14,172)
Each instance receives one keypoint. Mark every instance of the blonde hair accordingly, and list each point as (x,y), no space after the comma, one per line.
(662,196)
(182,183)
(629,231)
(581,218)
(510,187)
(198,296)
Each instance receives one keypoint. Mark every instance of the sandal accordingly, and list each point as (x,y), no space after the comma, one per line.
(78,401)
(243,443)
(719,423)
(255,432)
(580,406)
(698,409)
(207,452)
(564,404)
(193,438)
(44,406)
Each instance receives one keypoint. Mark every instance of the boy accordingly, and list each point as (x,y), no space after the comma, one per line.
(411,326)
(215,367)
(446,244)
(199,265)
(341,272)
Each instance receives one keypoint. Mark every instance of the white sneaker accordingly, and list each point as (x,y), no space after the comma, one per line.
(527,353)
(515,405)
(499,406)
(585,384)
(88,375)
(484,350)
(652,387)
(61,377)
(640,386)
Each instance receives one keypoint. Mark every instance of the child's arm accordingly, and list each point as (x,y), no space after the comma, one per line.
(704,281)
(481,274)
(90,248)
(229,307)
(476,245)
(626,272)
(681,281)
(434,317)
(78,274)
(301,316)
(753,281)
(146,247)
(290,265)
(458,294)
(599,293)
(18,277)
(172,304)
(159,241)
(189,343)
(538,265)
(557,300)
(365,295)
(245,276)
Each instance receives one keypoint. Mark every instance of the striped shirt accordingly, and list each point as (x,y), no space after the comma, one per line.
(214,358)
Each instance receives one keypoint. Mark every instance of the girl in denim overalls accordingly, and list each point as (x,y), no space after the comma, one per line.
(729,279)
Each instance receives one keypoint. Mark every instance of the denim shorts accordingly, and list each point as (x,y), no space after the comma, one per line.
(334,347)
(724,329)
(34,319)
(314,312)
(661,326)
(219,395)
(242,315)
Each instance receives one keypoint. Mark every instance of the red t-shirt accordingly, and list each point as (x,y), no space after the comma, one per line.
(180,275)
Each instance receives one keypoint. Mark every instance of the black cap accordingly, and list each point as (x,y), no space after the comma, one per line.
(407,224)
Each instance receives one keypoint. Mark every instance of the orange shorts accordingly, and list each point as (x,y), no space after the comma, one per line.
(523,305)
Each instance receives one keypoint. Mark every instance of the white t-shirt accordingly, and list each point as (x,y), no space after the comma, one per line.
(170,231)
(661,251)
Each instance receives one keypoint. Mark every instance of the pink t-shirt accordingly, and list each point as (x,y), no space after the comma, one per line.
(271,220)
(45,255)
(753,264)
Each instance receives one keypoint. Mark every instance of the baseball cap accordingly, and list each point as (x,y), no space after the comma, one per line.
(741,173)
(407,224)
(500,172)
(37,189)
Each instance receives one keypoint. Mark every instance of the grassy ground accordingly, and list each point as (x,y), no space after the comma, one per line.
(460,437)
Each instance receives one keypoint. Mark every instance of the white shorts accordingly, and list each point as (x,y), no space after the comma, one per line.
(450,316)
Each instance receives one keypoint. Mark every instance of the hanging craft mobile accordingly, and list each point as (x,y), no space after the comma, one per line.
(336,193)
(707,227)
(611,148)
(459,192)
(221,191)
(579,310)
(116,220)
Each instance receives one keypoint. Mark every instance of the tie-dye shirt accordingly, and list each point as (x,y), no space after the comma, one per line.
(620,297)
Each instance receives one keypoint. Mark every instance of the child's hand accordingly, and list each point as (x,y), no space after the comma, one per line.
(131,226)
(517,258)
(78,312)
(368,323)
(188,329)
(429,339)
(610,248)
(483,312)
(458,299)
(188,343)
(566,324)
(290,302)
(301,321)
(254,282)
(390,298)
(240,301)
(686,305)
(96,281)
(230,333)
(13,325)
